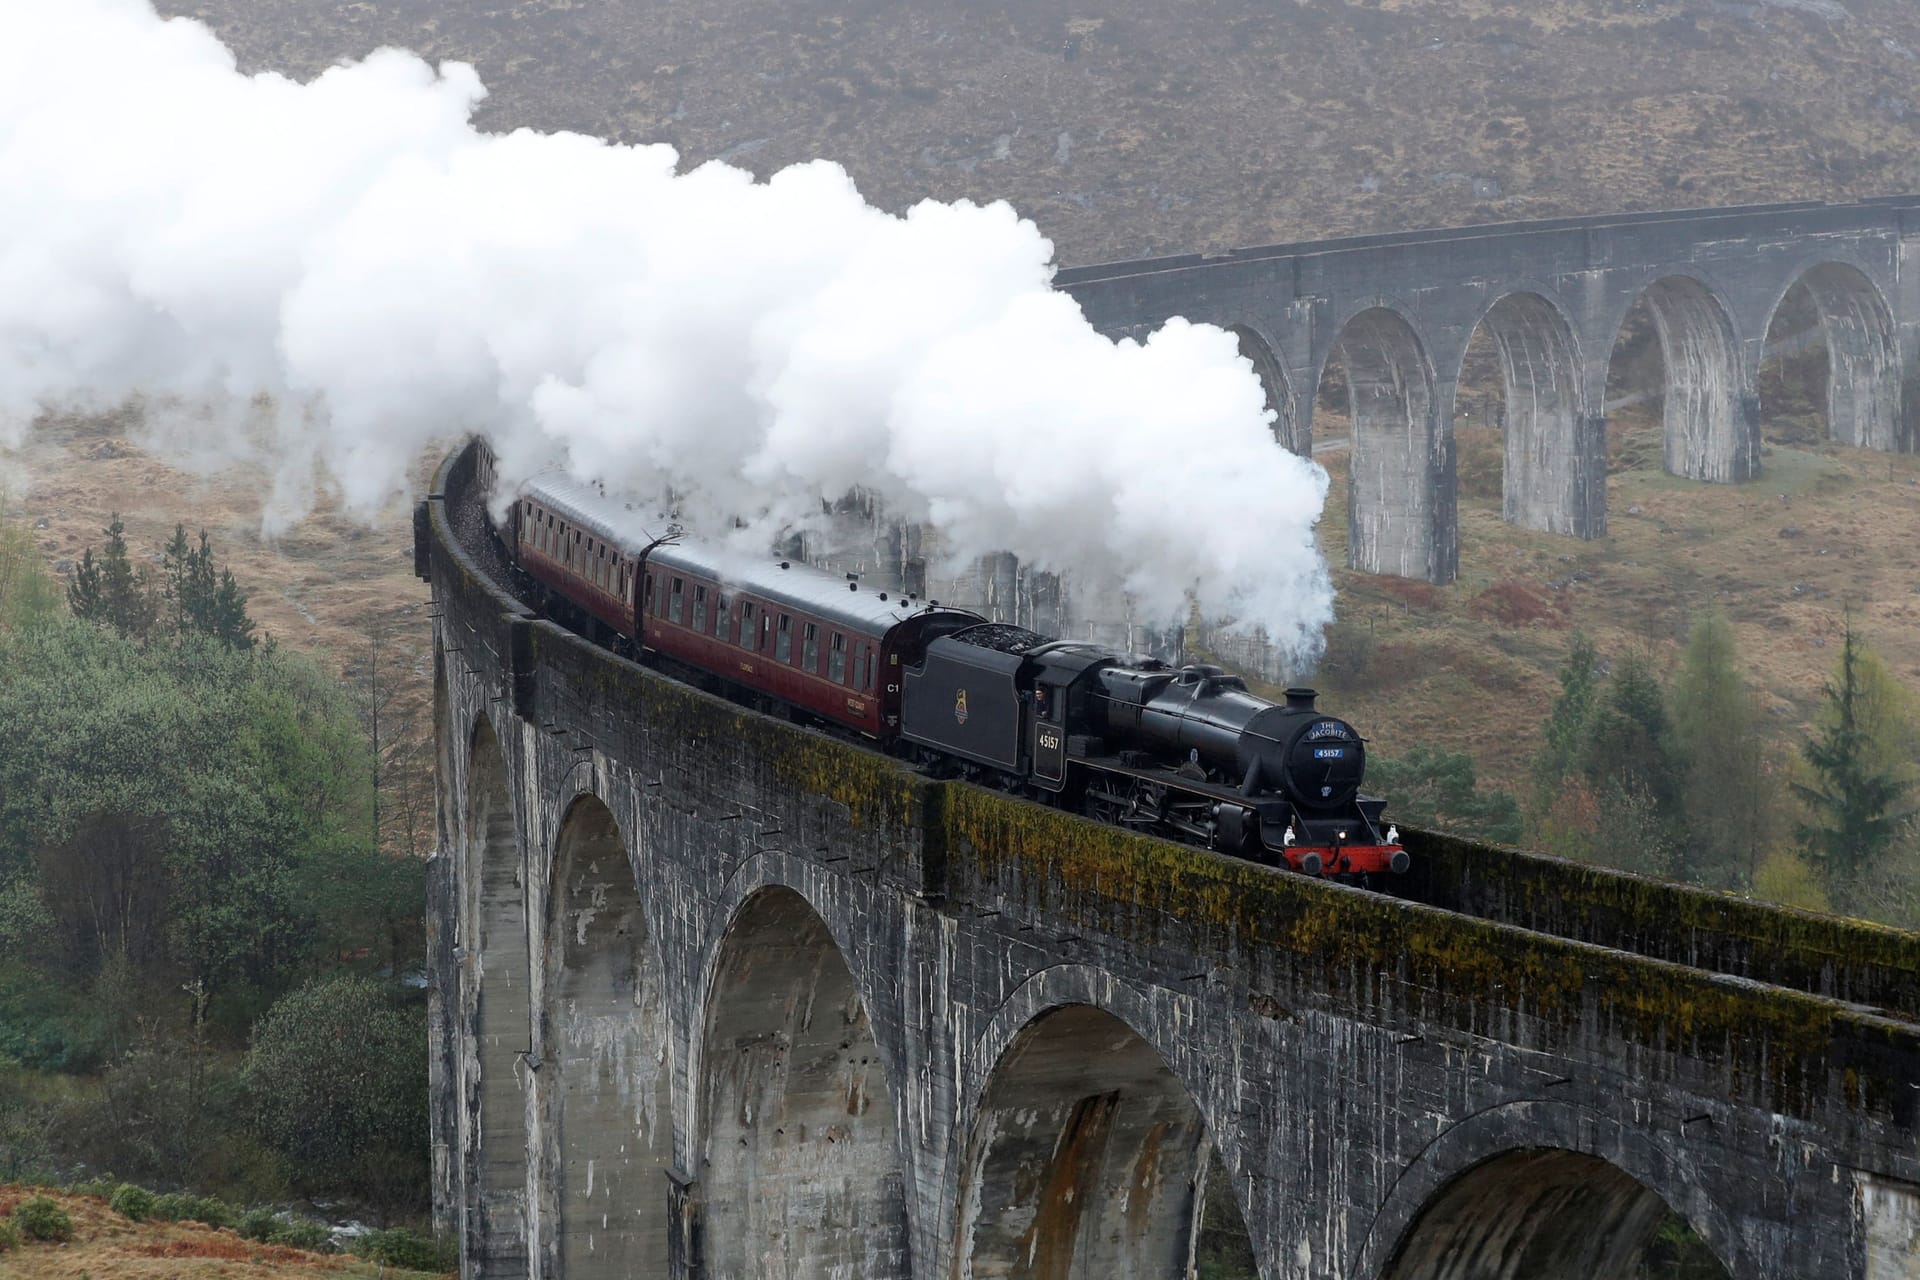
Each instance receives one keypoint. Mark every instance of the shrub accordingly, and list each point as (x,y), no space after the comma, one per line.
(338,1075)
(41,1218)
(269,1227)
(132,1202)
(403,1249)
(178,1206)
(258,1224)
(9,1235)
(302,1233)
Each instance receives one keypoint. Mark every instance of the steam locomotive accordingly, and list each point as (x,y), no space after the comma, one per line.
(1187,753)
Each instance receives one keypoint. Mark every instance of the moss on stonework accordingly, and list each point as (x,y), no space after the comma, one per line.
(1857,959)
(1461,970)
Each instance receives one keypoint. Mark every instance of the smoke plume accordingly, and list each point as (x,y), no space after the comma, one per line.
(329,277)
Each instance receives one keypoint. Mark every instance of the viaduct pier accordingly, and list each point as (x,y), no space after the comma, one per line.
(716,996)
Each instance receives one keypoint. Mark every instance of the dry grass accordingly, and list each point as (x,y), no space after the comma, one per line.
(106,1246)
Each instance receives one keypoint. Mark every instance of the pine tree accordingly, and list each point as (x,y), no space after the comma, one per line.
(1566,730)
(202,600)
(1853,799)
(1628,742)
(110,590)
(228,620)
(84,596)
(176,567)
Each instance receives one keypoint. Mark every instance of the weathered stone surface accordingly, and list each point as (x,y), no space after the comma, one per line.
(907,1028)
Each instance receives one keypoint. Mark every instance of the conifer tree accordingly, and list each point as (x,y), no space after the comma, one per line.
(1566,730)
(1854,794)
(110,590)
(201,600)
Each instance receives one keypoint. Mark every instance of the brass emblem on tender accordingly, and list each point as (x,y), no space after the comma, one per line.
(960,707)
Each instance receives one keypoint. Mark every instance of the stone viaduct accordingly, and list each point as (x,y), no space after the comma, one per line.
(1401,310)
(715,996)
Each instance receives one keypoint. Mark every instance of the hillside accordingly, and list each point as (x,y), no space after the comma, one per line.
(1126,127)
(1472,665)
(106,1246)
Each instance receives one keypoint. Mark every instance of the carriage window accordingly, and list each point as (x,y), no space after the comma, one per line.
(674,599)
(869,684)
(749,638)
(721,618)
(837,659)
(646,592)
(699,608)
(783,643)
(810,648)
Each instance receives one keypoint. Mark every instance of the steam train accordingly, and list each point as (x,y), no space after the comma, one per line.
(1187,753)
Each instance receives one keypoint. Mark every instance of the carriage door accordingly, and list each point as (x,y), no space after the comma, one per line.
(1049,736)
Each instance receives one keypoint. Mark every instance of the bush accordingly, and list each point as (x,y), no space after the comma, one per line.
(403,1249)
(41,1218)
(269,1227)
(9,1236)
(258,1224)
(302,1233)
(132,1202)
(180,1207)
(338,1074)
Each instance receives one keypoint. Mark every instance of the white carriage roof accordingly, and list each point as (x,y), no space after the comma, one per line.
(802,586)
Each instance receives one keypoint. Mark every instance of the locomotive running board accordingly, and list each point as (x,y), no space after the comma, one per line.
(1167,777)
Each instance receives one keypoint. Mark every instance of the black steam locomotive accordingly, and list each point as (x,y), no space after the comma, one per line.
(1188,753)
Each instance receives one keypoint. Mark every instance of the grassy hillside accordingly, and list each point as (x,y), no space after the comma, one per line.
(1125,127)
(1472,665)
(106,1246)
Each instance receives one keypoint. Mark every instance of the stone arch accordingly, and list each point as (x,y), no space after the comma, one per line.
(801,1176)
(606,1070)
(1712,412)
(1863,355)
(1554,473)
(498,963)
(1087,1157)
(1534,1189)
(1288,431)
(1400,499)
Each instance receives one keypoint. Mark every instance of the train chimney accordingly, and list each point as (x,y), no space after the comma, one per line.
(1300,699)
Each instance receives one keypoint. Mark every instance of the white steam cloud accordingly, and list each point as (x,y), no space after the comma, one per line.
(335,275)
